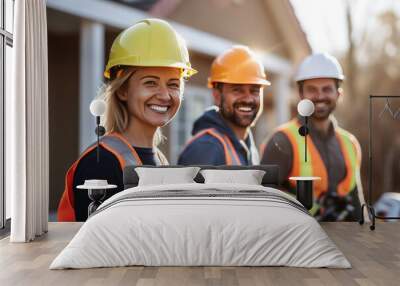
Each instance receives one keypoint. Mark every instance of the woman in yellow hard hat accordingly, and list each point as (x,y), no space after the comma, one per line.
(145,72)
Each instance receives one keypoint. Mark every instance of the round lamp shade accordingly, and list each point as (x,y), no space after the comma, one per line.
(305,107)
(97,107)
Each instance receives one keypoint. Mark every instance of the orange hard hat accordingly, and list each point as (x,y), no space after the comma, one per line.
(237,65)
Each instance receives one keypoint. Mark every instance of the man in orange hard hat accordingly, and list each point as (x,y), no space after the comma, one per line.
(222,136)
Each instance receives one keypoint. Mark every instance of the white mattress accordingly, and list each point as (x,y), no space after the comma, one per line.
(225,225)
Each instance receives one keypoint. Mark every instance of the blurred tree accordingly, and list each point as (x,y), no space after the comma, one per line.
(372,66)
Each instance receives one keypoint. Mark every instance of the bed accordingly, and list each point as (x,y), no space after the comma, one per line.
(201,224)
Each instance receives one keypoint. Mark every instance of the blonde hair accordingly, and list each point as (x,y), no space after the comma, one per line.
(116,117)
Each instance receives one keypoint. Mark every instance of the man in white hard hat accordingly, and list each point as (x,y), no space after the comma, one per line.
(334,154)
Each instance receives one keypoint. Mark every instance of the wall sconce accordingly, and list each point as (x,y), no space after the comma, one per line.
(304,191)
(97,108)
(305,108)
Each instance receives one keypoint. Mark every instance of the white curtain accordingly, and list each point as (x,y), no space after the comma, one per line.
(27,142)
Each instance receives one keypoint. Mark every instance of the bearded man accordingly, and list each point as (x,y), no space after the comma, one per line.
(222,136)
(334,153)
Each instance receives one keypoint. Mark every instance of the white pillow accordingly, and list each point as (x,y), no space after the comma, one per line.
(248,177)
(163,176)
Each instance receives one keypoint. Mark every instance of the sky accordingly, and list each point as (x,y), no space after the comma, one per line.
(324,21)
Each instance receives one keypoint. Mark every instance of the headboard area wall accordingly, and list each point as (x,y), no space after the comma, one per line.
(270,179)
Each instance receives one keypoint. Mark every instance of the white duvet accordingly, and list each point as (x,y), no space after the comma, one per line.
(225,225)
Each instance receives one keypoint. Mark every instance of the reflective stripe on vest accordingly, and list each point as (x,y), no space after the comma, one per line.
(352,157)
(112,142)
(121,148)
(315,165)
(231,156)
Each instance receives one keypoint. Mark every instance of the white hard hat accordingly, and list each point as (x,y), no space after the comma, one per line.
(321,65)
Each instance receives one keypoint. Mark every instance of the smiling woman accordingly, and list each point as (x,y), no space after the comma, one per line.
(145,99)
(143,93)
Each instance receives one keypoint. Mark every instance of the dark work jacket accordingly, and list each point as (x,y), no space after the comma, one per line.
(208,150)
(107,169)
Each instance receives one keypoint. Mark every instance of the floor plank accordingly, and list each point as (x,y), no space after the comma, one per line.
(375,257)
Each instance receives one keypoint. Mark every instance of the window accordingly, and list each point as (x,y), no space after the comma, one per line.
(6,44)
(195,101)
(9,13)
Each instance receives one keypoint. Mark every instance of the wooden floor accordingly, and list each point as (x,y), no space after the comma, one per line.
(375,257)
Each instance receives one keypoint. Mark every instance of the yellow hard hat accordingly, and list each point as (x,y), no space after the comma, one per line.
(150,43)
(237,65)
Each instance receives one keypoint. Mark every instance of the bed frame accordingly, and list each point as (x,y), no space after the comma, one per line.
(270,179)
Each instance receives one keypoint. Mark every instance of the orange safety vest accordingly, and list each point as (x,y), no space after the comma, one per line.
(231,156)
(315,166)
(114,143)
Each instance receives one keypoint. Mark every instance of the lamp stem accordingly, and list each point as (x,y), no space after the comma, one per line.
(98,139)
(305,139)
